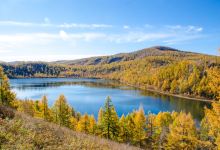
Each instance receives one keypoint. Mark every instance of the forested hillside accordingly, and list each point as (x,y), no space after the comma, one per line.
(35,125)
(159,68)
(153,51)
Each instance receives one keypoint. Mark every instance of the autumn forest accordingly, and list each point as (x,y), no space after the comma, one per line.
(168,71)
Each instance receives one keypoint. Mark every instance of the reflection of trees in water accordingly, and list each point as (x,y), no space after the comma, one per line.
(97,84)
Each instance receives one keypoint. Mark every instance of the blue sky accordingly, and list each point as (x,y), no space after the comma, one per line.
(69,29)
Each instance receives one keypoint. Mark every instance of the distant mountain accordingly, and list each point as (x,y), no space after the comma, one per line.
(152,51)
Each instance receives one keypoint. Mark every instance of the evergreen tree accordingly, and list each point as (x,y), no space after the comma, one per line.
(110,121)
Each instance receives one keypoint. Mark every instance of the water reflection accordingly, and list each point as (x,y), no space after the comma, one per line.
(88,95)
(42,85)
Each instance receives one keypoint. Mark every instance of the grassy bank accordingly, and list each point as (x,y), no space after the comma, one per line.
(25,132)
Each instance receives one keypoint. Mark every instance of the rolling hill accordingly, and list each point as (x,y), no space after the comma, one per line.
(152,51)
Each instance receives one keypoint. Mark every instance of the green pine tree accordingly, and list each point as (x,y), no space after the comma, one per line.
(110,127)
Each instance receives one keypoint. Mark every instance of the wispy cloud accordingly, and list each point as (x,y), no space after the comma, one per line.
(62,40)
(167,34)
(47,23)
(91,26)
(183,38)
(137,37)
(189,28)
(183,33)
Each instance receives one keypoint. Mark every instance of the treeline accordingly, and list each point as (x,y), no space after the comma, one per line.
(34,69)
(162,131)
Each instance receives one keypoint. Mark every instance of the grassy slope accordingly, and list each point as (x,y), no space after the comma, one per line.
(24,132)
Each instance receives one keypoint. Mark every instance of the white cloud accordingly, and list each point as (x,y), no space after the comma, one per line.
(47,23)
(183,33)
(15,23)
(168,34)
(91,26)
(63,35)
(182,38)
(126,27)
(194,29)
(189,28)
(137,37)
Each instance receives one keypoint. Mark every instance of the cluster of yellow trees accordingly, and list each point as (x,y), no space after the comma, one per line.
(185,76)
(155,131)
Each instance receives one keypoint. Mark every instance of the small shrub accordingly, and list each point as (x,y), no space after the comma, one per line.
(6,112)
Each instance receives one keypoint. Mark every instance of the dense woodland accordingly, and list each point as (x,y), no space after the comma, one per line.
(159,68)
(149,131)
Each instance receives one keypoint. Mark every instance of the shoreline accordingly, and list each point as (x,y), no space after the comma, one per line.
(180,96)
(169,94)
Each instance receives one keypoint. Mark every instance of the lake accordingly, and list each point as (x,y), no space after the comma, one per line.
(88,95)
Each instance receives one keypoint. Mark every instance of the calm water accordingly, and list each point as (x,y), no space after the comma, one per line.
(88,95)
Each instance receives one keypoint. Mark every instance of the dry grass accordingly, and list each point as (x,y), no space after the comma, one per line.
(24,132)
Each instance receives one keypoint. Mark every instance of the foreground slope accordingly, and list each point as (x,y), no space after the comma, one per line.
(24,132)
